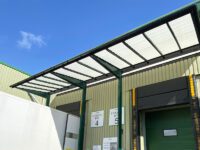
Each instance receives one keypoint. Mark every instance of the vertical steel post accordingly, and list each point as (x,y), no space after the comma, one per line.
(120,131)
(82,120)
(48,98)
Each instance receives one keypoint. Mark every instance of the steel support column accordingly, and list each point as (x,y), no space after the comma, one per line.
(82,119)
(120,131)
(48,99)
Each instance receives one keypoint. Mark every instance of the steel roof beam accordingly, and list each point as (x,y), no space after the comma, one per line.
(79,73)
(112,69)
(42,94)
(155,47)
(172,32)
(71,80)
(80,63)
(134,51)
(122,59)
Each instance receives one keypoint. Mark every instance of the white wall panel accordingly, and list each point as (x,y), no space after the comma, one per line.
(25,125)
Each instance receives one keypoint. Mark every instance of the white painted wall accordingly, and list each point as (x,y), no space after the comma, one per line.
(25,125)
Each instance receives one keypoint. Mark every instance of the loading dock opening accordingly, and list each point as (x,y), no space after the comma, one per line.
(72,108)
(169,129)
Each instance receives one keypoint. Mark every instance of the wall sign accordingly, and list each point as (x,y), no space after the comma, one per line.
(97,119)
(96,147)
(113,117)
(171,132)
(110,143)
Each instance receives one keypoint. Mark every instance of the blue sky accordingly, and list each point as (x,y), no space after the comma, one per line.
(38,34)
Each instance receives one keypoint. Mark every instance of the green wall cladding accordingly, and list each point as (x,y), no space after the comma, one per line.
(9,76)
(104,96)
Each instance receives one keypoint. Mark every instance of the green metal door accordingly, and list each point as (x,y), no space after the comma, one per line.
(169,130)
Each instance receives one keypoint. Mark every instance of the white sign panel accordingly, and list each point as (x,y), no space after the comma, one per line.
(172,132)
(96,147)
(110,143)
(113,117)
(97,119)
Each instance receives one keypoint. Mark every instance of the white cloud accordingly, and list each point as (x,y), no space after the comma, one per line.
(29,39)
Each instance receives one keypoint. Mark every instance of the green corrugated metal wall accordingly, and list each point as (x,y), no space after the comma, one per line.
(104,97)
(9,76)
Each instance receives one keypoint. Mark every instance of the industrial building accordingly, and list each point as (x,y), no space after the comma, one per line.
(10,75)
(138,91)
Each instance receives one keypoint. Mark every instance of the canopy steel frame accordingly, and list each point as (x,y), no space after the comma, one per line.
(137,66)
(118,74)
(173,34)
(192,9)
(119,57)
(45,95)
(134,51)
(154,46)
(98,71)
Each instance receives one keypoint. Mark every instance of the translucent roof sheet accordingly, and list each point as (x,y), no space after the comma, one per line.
(184,30)
(163,39)
(52,81)
(72,74)
(143,47)
(45,84)
(124,52)
(110,58)
(93,64)
(53,77)
(166,38)
(37,86)
(35,89)
(82,69)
